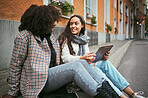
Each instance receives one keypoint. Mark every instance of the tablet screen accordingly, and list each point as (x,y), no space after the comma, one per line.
(101,52)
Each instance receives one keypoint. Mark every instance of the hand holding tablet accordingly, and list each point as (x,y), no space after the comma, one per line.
(101,52)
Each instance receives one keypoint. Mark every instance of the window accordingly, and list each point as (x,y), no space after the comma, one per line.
(131,14)
(144,9)
(140,4)
(115,23)
(115,4)
(90,10)
(107,11)
(121,6)
(115,27)
(126,10)
(135,12)
(70,1)
(89,7)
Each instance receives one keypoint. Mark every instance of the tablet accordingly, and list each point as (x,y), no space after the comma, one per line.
(101,52)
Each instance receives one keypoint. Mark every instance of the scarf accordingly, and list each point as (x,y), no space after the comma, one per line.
(81,40)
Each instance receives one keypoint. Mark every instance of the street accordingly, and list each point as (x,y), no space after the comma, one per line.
(134,66)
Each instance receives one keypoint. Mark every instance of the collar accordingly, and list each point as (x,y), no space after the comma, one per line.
(41,40)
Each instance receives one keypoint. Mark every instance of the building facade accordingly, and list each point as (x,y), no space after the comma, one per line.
(126,18)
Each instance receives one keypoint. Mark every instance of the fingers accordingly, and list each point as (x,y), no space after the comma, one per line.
(103,59)
(91,55)
(95,64)
(90,58)
(89,61)
(106,56)
(90,52)
(108,52)
(87,56)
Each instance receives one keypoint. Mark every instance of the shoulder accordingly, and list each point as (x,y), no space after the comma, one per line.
(54,40)
(64,44)
(74,45)
(23,35)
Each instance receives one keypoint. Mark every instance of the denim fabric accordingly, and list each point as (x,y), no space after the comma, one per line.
(98,70)
(106,91)
(79,71)
(116,80)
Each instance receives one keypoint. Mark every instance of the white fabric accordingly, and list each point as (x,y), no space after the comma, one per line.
(67,57)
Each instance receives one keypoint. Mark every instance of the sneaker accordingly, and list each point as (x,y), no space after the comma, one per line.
(139,94)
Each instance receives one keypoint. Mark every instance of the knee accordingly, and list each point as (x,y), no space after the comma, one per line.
(77,65)
(83,62)
(106,63)
(103,64)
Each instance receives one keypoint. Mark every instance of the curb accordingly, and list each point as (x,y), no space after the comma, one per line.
(116,57)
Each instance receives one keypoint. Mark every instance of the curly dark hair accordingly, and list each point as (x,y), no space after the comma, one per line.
(67,36)
(39,19)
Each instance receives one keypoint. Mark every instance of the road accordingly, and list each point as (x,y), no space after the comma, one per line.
(134,66)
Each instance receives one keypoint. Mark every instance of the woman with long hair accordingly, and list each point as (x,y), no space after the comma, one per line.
(74,46)
(34,68)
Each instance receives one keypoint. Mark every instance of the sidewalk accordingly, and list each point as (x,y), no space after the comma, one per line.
(117,53)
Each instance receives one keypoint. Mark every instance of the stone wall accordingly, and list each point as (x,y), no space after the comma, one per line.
(8,32)
(93,37)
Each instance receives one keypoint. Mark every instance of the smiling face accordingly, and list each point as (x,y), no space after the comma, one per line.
(75,26)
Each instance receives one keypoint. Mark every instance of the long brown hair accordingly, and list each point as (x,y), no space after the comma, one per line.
(66,36)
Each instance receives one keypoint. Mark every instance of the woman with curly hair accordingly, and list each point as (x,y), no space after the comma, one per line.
(34,70)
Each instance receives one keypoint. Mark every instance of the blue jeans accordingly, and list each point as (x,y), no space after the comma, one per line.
(79,71)
(111,74)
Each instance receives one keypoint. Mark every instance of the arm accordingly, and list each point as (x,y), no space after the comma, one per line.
(89,57)
(66,56)
(18,57)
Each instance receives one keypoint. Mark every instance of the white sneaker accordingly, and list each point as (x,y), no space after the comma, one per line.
(139,94)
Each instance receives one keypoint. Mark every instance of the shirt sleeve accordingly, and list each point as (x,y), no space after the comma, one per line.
(66,56)
(18,57)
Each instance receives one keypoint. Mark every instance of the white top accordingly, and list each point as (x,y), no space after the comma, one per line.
(67,57)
